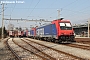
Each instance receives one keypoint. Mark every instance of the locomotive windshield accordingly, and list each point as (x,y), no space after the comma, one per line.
(65,26)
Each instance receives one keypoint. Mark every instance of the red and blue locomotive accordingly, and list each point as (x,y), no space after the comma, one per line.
(58,31)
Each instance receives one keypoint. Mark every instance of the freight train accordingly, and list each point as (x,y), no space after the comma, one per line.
(13,33)
(57,31)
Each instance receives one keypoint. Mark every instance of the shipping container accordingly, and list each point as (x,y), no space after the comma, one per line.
(47,31)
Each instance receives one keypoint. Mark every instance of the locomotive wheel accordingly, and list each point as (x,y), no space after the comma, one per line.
(52,40)
(60,41)
(48,40)
(56,41)
(37,38)
(45,39)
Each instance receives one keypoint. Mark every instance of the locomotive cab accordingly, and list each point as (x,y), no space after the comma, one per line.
(64,30)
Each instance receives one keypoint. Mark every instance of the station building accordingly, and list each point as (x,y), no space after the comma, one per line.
(81,30)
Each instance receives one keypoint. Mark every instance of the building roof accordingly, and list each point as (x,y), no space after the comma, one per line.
(80,25)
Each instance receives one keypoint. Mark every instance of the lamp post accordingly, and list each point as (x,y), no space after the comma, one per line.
(58,14)
(88,28)
(2,20)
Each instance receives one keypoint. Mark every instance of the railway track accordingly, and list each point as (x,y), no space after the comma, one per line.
(79,45)
(58,55)
(33,50)
(26,49)
(22,53)
(17,57)
(84,42)
(5,53)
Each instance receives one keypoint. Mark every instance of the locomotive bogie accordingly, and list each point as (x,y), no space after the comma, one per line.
(66,38)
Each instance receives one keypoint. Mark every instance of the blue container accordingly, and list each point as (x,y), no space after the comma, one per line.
(31,32)
(46,31)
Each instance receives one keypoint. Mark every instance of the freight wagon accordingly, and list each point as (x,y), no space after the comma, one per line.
(47,32)
(11,33)
(33,32)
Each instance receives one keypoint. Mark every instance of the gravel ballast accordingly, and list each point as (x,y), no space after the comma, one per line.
(71,50)
(5,53)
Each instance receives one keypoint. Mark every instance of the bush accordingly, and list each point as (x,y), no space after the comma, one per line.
(5,32)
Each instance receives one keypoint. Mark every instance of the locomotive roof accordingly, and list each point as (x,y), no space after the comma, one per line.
(60,21)
(43,25)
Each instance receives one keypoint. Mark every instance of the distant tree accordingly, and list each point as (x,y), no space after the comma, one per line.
(5,32)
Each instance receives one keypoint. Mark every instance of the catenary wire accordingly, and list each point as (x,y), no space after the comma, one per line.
(33,8)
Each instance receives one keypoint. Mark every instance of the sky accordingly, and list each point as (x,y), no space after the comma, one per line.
(77,11)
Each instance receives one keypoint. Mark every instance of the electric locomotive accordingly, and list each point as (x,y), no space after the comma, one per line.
(58,31)
(65,31)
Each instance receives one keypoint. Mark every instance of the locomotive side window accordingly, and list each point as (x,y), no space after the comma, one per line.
(65,26)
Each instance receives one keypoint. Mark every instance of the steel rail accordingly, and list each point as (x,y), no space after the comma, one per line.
(78,46)
(30,51)
(40,51)
(76,57)
(17,57)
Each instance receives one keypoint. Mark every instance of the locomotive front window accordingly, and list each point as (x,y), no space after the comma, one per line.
(65,26)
